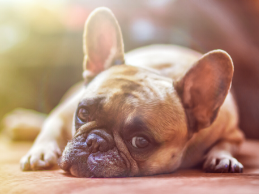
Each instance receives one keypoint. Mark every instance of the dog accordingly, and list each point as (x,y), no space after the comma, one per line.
(151,111)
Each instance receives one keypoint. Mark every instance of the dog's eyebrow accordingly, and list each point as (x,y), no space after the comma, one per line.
(136,125)
(90,101)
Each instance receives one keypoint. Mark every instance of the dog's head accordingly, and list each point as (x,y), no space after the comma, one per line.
(132,121)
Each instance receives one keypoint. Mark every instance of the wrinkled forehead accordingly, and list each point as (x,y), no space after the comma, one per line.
(127,79)
(127,87)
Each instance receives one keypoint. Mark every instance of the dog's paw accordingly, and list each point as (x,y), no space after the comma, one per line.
(223,164)
(41,156)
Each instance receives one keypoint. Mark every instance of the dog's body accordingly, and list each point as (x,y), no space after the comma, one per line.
(169,107)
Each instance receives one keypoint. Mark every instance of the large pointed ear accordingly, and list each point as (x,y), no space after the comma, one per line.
(204,88)
(103,44)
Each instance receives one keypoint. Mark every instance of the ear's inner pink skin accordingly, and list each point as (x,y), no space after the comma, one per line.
(93,155)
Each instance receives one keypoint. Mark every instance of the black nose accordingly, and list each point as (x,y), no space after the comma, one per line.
(99,140)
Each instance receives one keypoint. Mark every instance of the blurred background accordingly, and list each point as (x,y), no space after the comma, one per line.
(41,44)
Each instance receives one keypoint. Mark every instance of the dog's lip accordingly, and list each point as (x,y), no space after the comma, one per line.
(74,169)
(126,161)
(110,164)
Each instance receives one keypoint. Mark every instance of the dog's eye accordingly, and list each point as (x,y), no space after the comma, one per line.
(139,142)
(83,114)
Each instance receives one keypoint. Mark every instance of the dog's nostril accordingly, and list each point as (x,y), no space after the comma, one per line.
(103,146)
(95,146)
(89,142)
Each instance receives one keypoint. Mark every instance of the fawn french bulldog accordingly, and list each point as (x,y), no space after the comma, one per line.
(150,111)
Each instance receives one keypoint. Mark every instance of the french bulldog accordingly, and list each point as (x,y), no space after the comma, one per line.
(150,111)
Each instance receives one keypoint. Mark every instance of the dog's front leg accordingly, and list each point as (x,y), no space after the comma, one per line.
(55,133)
(220,159)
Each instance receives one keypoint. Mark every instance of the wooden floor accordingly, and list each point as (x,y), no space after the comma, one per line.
(12,180)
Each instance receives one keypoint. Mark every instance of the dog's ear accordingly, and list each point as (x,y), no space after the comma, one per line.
(204,88)
(103,44)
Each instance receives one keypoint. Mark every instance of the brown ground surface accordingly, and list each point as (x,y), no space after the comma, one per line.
(12,180)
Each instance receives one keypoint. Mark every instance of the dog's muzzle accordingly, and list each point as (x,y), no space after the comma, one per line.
(93,155)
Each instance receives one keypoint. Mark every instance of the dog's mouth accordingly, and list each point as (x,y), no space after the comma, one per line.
(82,160)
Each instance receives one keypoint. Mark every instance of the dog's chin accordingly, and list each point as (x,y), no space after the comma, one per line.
(77,159)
